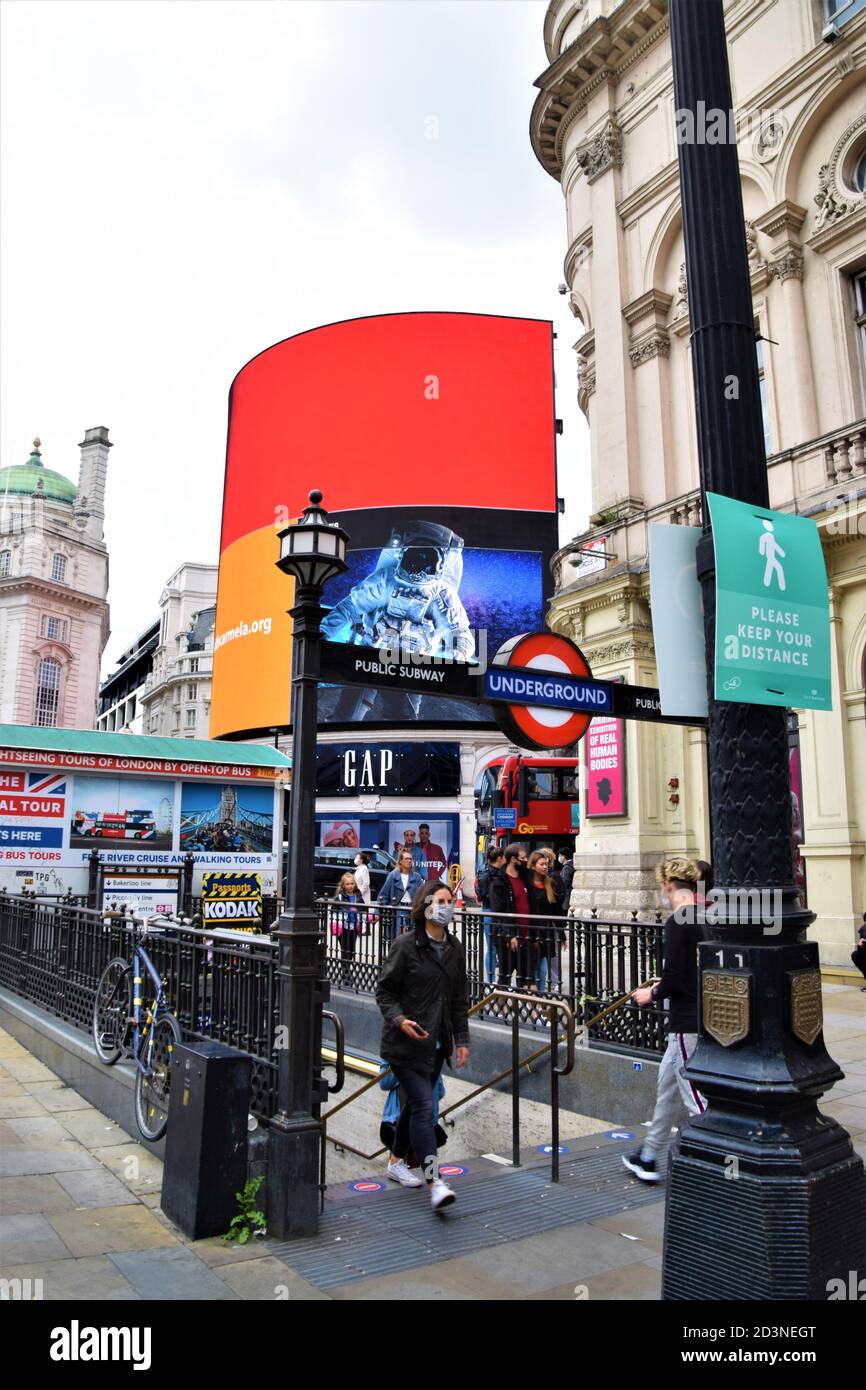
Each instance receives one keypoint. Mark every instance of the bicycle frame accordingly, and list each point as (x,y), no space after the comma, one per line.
(141,1034)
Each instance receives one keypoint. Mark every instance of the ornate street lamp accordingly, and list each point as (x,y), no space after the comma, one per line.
(766,1198)
(313,550)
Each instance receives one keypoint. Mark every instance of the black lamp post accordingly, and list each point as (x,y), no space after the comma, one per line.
(766,1198)
(313,551)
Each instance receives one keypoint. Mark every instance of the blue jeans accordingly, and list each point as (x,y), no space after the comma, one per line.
(416,1125)
(548,974)
(491,954)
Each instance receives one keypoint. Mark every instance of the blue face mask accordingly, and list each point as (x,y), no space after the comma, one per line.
(441,913)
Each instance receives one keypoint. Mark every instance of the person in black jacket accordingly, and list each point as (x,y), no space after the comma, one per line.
(509,894)
(858,955)
(423,996)
(495,861)
(678,879)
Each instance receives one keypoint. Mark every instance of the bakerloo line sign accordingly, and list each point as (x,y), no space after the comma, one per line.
(539,684)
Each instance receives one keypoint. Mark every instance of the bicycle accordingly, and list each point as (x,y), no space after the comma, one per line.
(123,1026)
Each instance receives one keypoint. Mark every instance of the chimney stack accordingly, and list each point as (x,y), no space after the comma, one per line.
(91,479)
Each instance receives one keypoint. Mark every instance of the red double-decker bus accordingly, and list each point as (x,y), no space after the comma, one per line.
(542,796)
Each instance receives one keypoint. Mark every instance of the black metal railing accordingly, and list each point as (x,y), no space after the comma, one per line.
(223,984)
(584,962)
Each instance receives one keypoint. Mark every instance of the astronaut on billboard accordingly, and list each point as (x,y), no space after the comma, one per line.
(409,602)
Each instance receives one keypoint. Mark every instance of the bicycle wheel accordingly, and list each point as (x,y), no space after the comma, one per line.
(112,1009)
(152,1086)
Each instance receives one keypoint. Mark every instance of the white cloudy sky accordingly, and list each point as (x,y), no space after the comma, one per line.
(186,182)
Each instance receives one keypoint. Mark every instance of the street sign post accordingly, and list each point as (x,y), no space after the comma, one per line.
(772,607)
(539,686)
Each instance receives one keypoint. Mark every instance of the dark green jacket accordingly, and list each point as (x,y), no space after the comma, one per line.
(413,984)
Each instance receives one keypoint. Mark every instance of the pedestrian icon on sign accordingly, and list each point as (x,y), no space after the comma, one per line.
(771,550)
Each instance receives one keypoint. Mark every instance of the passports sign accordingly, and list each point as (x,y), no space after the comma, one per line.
(772,607)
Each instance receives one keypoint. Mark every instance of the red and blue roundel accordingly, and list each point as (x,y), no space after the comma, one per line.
(540,726)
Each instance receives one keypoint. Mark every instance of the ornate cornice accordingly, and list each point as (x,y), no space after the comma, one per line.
(655,304)
(788,267)
(603,650)
(782,222)
(605,49)
(57,593)
(655,344)
(602,151)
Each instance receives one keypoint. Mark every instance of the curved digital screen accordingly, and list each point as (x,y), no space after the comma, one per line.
(431,436)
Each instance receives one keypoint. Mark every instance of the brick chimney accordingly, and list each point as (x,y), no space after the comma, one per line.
(91,480)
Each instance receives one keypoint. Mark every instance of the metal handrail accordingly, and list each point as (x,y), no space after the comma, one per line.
(515,997)
(340,1063)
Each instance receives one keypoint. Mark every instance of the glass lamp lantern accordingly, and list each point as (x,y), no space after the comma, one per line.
(313,549)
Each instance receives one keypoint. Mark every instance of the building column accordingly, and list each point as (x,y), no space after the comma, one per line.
(833,843)
(782,225)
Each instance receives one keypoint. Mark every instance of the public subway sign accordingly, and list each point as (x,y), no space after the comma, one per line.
(772,607)
(539,686)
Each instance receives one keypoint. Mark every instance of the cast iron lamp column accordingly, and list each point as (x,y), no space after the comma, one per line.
(313,551)
(766,1198)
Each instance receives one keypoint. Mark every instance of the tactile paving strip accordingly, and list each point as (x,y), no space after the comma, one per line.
(398,1231)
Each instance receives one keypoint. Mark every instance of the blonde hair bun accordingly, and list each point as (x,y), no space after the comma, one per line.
(677,870)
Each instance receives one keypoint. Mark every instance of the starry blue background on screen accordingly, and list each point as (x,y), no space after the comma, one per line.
(500,589)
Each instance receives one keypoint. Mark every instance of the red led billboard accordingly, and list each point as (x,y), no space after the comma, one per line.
(431,436)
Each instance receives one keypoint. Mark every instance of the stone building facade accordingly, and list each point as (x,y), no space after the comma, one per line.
(54,619)
(604,126)
(120,709)
(175,698)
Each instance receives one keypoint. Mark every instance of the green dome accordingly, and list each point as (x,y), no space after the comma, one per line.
(24,478)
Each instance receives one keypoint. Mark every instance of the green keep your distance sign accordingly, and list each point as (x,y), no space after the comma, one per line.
(772,607)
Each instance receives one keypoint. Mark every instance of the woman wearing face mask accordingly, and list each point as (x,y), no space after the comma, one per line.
(423,996)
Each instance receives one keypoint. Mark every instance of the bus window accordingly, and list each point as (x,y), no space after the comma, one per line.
(542,784)
(485,792)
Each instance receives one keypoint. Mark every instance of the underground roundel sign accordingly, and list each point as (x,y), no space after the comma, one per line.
(542,690)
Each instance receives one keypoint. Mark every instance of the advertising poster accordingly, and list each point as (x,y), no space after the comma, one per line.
(113,811)
(605,767)
(232,900)
(432,842)
(144,895)
(442,474)
(226,818)
(32,810)
(341,834)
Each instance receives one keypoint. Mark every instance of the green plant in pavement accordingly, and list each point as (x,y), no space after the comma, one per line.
(249,1220)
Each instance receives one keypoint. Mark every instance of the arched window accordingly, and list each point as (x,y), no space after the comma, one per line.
(5,563)
(47,692)
(58,569)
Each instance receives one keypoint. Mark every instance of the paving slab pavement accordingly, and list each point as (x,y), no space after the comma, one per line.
(79,1211)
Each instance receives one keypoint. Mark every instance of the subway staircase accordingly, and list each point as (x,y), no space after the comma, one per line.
(374,1230)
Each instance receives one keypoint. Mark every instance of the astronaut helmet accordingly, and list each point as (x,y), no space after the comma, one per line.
(423,550)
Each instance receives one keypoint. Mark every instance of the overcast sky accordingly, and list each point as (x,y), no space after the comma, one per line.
(186,182)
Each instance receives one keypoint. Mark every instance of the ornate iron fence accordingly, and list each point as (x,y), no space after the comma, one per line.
(223,985)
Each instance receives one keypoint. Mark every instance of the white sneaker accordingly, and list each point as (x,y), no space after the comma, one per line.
(400,1172)
(441,1195)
